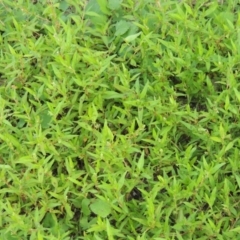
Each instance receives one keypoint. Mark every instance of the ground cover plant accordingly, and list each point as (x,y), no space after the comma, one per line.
(119,119)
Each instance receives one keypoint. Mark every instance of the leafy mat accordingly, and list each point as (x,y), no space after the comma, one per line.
(119,119)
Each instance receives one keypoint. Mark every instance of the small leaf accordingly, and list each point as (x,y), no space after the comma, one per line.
(121,27)
(131,37)
(188,8)
(68,210)
(227,103)
(75,181)
(85,207)
(84,222)
(114,4)
(216,139)
(12,50)
(217,167)
(49,220)
(63,5)
(93,113)
(141,162)
(210,10)
(4,166)
(222,132)
(237,94)
(45,119)
(122,180)
(100,208)
(236,229)
(110,231)
(85,126)
(238,179)
(144,91)
(106,132)
(229,146)
(56,71)
(112,95)
(213,197)
(103,6)
(200,47)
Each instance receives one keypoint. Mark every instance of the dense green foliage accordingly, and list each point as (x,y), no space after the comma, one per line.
(119,119)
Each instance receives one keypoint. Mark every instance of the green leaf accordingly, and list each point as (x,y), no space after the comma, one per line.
(106,132)
(84,222)
(131,37)
(144,91)
(56,71)
(78,183)
(210,10)
(213,196)
(237,94)
(141,162)
(93,113)
(236,229)
(93,6)
(229,146)
(63,5)
(45,118)
(49,220)
(216,139)
(217,167)
(101,208)
(200,47)
(122,180)
(227,103)
(3,166)
(222,131)
(85,126)
(121,27)
(238,179)
(112,95)
(188,8)
(85,207)
(114,4)
(103,6)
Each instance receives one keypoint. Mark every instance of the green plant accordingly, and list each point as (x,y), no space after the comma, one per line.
(119,119)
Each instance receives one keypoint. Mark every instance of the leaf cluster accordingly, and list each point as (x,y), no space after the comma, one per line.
(119,119)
